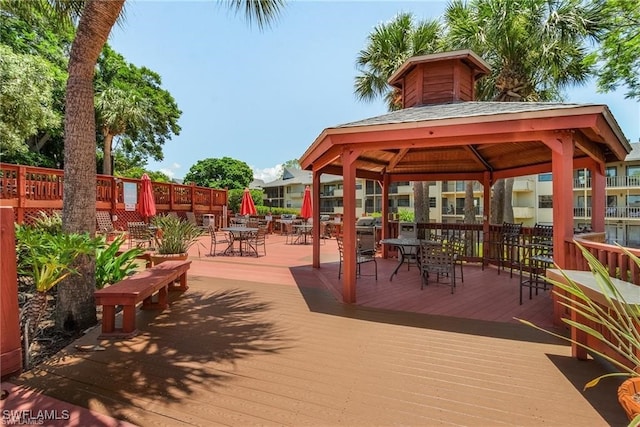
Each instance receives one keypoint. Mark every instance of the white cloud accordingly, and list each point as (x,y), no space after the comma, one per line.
(171,170)
(267,174)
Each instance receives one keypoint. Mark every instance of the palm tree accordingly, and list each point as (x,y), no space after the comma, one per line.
(536,48)
(118,111)
(389,46)
(75,309)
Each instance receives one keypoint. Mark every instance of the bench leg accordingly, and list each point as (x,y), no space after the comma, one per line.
(108,319)
(183,283)
(128,319)
(163,300)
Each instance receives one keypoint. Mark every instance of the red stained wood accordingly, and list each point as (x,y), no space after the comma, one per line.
(10,345)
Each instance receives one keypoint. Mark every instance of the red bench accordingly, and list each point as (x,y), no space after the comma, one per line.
(138,288)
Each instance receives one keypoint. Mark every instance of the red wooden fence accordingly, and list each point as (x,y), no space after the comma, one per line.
(31,190)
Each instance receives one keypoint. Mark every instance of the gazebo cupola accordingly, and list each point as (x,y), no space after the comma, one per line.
(439,78)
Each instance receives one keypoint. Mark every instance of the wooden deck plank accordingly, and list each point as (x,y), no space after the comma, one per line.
(244,348)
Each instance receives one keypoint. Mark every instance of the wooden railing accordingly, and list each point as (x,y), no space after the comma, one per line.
(30,190)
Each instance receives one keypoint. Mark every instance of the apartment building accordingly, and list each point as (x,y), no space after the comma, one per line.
(532,198)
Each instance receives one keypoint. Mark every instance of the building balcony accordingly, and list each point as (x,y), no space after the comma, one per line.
(632,181)
(522,212)
(523,186)
(613,212)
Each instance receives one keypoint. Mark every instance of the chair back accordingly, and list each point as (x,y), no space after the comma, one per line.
(103,220)
(436,257)
(138,230)
(542,234)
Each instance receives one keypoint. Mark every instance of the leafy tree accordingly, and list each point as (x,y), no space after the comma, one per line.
(26,99)
(40,37)
(235,199)
(131,103)
(620,48)
(291,164)
(137,172)
(220,173)
(75,309)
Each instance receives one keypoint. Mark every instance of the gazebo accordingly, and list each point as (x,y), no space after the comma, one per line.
(441,133)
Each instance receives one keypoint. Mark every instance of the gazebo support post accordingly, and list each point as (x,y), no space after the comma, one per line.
(349,225)
(315,232)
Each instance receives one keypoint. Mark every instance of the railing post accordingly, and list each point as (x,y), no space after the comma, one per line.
(22,193)
(172,198)
(193,197)
(10,345)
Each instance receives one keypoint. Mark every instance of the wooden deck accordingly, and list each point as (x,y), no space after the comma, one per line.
(265,342)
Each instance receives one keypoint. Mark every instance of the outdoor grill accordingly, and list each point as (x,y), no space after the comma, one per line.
(366,231)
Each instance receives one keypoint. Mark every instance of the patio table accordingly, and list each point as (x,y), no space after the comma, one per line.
(303,231)
(239,234)
(402,243)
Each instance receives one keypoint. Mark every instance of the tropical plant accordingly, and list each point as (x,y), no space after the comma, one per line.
(535,48)
(51,224)
(75,309)
(47,258)
(131,102)
(388,47)
(175,236)
(617,326)
(112,266)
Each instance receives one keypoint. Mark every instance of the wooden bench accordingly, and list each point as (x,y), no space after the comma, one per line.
(138,288)
(587,282)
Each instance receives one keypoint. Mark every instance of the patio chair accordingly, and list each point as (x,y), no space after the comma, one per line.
(105,226)
(537,257)
(510,244)
(140,235)
(459,248)
(257,240)
(219,238)
(363,256)
(437,259)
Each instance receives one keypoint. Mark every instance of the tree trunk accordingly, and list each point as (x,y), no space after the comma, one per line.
(508,200)
(427,202)
(469,208)
(497,202)
(75,309)
(106,158)
(418,201)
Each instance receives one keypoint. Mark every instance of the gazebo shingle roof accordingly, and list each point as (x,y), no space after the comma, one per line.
(459,110)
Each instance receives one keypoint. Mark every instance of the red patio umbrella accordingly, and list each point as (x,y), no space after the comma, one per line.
(146,203)
(246,206)
(307,209)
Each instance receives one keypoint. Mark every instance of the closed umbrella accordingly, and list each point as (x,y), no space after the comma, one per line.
(246,206)
(146,204)
(307,209)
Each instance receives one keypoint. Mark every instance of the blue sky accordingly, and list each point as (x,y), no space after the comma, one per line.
(264,96)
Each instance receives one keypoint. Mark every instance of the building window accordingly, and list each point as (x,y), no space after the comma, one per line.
(432,202)
(403,201)
(611,171)
(544,177)
(545,202)
(633,170)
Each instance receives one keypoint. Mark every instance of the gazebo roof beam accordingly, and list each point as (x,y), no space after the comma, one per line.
(399,156)
(477,156)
